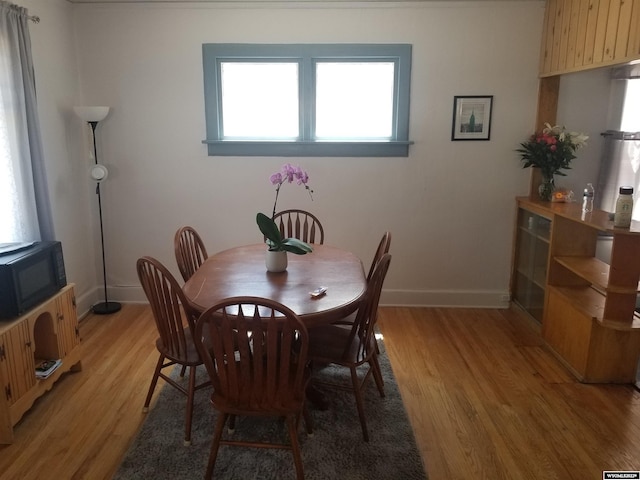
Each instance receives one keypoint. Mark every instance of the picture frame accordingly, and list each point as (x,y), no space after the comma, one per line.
(471,117)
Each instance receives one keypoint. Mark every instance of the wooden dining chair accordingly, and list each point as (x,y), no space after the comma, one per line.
(356,346)
(383,247)
(175,322)
(258,365)
(189,250)
(300,224)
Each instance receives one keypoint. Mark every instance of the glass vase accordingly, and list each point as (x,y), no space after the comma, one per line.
(546,188)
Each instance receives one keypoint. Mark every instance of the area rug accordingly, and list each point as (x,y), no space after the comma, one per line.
(335,451)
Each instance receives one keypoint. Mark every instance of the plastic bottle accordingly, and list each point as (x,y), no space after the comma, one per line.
(587,198)
(624,208)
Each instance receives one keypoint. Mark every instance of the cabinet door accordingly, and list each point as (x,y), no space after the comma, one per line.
(67,323)
(532,255)
(16,361)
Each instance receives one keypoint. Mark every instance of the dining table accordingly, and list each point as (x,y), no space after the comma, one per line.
(241,271)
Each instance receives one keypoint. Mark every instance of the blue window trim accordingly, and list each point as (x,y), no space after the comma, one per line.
(306,55)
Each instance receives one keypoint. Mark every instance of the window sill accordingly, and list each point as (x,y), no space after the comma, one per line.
(235,148)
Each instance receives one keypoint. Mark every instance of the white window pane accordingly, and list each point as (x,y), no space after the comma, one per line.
(630,111)
(354,100)
(260,100)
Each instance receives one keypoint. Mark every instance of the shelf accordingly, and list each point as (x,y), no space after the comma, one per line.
(595,271)
(543,237)
(590,302)
(538,277)
(598,219)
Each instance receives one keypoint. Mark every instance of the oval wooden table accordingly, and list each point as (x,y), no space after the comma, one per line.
(241,271)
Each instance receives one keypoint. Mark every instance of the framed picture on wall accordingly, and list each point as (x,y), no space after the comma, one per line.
(471,117)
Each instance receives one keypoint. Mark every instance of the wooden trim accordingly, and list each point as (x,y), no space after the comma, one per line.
(548,90)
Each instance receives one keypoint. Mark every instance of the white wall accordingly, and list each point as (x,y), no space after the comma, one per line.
(58,89)
(583,106)
(450,205)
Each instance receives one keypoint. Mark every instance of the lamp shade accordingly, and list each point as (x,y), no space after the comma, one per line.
(91,114)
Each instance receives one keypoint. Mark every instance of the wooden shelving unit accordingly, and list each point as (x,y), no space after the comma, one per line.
(589,318)
(588,313)
(47,332)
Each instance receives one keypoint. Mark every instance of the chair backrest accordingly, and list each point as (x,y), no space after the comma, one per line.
(300,224)
(383,247)
(170,308)
(190,251)
(367,316)
(257,358)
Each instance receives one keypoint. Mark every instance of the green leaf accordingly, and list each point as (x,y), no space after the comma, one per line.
(296,246)
(274,238)
(270,230)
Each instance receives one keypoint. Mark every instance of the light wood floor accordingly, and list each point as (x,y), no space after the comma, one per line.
(485,398)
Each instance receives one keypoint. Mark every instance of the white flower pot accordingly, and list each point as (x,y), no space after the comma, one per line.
(276,261)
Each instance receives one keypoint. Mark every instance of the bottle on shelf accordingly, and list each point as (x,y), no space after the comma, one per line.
(587,198)
(624,208)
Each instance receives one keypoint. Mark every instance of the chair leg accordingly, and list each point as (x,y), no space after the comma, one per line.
(183,370)
(215,444)
(359,403)
(308,421)
(189,414)
(295,447)
(377,374)
(154,382)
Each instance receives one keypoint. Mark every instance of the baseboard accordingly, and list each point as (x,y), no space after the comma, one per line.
(122,294)
(403,298)
(445,298)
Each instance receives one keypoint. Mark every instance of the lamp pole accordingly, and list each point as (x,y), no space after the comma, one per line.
(106,307)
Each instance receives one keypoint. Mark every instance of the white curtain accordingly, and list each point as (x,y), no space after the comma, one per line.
(620,166)
(25,212)
(620,162)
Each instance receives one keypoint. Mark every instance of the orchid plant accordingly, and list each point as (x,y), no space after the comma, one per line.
(287,174)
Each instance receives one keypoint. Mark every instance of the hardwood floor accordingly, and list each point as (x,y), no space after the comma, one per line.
(485,398)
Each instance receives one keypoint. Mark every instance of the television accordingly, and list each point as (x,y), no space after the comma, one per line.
(29,274)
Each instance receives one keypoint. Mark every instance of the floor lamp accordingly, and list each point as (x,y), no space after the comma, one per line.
(93,115)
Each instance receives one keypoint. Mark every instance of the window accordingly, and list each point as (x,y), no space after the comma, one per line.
(620,160)
(307,100)
(630,113)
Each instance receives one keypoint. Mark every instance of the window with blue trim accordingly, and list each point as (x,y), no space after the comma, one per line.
(307,100)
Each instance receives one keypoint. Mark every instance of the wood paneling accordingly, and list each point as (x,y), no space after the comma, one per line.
(583,34)
(633,45)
